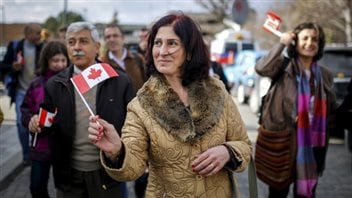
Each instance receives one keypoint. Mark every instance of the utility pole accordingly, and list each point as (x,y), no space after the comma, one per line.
(3,35)
(65,13)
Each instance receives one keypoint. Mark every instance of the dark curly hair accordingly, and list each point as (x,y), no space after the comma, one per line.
(49,50)
(196,66)
(291,50)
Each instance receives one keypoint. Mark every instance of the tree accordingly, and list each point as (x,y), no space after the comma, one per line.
(334,16)
(115,17)
(222,9)
(53,23)
(219,8)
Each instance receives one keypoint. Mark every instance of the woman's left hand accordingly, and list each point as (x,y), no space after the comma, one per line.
(211,161)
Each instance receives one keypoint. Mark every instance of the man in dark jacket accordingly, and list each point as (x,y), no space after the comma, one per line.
(131,63)
(121,58)
(20,63)
(76,165)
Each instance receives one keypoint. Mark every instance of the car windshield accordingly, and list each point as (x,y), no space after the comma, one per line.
(339,62)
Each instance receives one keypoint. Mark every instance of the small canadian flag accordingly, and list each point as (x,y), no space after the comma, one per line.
(20,58)
(272,23)
(46,118)
(92,76)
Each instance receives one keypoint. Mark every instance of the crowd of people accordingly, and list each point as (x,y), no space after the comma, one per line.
(167,121)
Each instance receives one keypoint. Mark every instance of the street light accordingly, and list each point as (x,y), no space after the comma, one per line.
(65,13)
(3,23)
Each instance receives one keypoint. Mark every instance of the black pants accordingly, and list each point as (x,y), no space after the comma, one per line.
(39,179)
(140,185)
(275,193)
(90,185)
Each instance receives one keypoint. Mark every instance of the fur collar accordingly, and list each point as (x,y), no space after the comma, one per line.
(206,100)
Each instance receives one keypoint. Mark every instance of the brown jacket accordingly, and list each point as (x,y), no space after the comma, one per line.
(134,64)
(282,113)
(161,131)
(279,110)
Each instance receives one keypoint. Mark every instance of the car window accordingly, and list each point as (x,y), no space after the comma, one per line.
(231,47)
(248,46)
(339,62)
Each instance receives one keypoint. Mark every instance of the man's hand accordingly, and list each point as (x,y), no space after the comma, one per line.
(17,66)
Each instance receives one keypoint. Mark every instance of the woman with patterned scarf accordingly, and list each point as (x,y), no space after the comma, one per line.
(303,103)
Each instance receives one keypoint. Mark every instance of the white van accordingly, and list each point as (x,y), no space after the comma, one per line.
(228,43)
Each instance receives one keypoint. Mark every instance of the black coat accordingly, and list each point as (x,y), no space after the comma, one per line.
(6,65)
(344,112)
(112,98)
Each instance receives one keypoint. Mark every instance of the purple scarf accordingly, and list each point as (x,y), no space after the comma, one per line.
(310,132)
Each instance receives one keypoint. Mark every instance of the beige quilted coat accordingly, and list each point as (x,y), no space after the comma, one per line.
(160,131)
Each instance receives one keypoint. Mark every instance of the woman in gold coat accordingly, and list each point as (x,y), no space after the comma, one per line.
(183,124)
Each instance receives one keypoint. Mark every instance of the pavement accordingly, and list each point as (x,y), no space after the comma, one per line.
(14,177)
(10,150)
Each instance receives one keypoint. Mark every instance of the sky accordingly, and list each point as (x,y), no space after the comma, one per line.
(129,11)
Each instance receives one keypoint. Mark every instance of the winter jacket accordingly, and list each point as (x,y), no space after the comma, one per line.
(112,98)
(30,106)
(134,67)
(9,58)
(279,112)
(161,131)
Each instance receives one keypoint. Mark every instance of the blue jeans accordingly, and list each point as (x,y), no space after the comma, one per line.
(39,179)
(23,132)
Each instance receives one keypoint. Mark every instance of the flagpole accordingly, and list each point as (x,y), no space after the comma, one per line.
(84,100)
(36,134)
(35,140)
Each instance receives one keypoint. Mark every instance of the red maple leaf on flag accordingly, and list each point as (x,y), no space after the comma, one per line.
(94,73)
(51,119)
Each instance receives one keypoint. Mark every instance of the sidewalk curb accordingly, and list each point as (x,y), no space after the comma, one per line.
(8,166)
(6,181)
(10,154)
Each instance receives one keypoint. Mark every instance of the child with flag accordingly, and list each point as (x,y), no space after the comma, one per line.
(53,59)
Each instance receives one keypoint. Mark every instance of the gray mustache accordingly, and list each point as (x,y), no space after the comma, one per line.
(78,53)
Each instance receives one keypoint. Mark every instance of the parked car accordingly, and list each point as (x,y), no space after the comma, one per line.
(242,74)
(337,58)
(339,61)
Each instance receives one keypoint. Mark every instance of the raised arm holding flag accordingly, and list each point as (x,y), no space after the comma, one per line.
(272,23)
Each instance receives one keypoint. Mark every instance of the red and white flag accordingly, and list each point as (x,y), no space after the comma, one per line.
(46,118)
(272,23)
(92,76)
(20,58)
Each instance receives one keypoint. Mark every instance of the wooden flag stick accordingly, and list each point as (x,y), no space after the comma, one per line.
(83,99)
(85,102)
